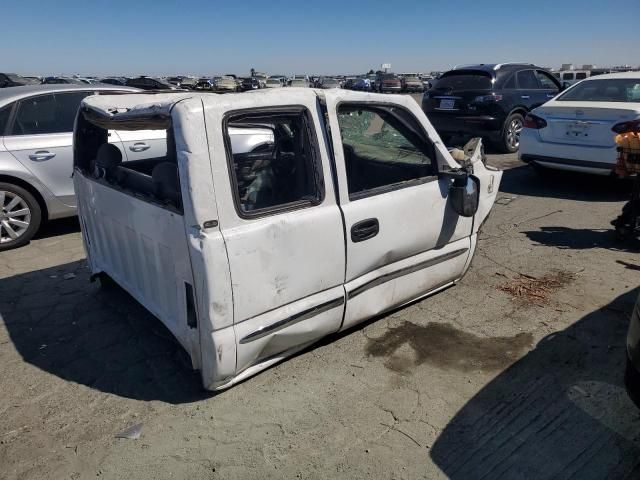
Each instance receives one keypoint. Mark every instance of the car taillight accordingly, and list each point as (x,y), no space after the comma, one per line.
(534,121)
(487,98)
(625,127)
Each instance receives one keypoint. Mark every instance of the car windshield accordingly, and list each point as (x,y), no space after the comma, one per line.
(603,90)
(299,82)
(464,80)
(273,81)
(389,76)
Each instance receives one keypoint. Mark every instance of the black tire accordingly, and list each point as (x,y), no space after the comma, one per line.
(510,138)
(8,193)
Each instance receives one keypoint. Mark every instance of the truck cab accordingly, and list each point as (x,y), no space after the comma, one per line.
(275,219)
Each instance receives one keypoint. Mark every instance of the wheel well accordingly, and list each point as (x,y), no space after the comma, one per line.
(31,189)
(522,111)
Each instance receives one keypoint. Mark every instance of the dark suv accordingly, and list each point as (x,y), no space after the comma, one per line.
(149,83)
(488,101)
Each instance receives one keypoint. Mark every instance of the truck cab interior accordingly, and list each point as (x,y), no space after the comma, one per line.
(153,179)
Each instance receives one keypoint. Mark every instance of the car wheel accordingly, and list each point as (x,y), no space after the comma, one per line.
(20,216)
(510,141)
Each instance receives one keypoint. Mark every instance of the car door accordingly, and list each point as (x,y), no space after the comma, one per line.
(403,237)
(531,96)
(280,222)
(143,144)
(40,137)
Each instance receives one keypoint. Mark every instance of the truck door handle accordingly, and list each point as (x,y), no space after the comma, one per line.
(364,230)
(41,155)
(525,97)
(139,147)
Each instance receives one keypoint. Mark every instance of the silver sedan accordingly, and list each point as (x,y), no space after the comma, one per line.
(36,155)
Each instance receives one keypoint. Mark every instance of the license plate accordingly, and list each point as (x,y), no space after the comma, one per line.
(578,129)
(447,104)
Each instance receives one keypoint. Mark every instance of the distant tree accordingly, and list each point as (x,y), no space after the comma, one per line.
(379,71)
(371,72)
(253,72)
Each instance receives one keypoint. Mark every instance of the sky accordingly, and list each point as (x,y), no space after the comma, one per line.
(100,37)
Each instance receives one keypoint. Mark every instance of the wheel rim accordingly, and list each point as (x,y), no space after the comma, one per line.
(513,133)
(15,216)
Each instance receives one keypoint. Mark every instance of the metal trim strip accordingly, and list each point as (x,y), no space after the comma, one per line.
(292,320)
(405,271)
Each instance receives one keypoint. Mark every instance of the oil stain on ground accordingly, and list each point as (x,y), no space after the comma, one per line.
(444,346)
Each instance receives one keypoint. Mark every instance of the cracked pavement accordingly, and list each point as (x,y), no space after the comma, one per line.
(524,390)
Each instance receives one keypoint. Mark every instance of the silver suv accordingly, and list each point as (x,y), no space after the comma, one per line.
(36,154)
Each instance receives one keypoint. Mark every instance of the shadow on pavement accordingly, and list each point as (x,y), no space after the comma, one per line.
(523,180)
(559,412)
(581,239)
(62,226)
(103,339)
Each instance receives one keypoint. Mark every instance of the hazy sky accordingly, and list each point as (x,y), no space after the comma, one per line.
(132,37)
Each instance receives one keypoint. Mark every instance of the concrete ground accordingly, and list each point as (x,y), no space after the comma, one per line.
(479,381)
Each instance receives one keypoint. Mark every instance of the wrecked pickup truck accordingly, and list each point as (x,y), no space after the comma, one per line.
(275,218)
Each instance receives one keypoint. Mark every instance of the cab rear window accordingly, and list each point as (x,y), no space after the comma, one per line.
(464,80)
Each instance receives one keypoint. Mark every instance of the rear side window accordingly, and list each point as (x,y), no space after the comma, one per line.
(274,162)
(581,76)
(47,114)
(461,80)
(36,116)
(510,84)
(567,76)
(383,148)
(4,118)
(527,80)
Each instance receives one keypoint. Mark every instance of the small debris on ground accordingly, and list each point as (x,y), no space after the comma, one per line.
(536,290)
(131,433)
(69,276)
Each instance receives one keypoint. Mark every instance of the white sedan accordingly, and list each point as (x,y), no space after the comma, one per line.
(575,131)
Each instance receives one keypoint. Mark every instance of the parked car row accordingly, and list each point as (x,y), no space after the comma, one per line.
(525,108)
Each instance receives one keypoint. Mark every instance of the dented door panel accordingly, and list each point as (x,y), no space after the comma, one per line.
(285,267)
(422,242)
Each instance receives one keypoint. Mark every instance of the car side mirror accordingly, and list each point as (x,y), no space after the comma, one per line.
(565,85)
(464,193)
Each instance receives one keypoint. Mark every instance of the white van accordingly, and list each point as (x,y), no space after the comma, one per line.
(275,218)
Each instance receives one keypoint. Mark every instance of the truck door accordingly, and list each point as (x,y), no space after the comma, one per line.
(280,222)
(403,237)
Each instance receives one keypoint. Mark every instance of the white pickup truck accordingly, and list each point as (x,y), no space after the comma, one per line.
(276,217)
